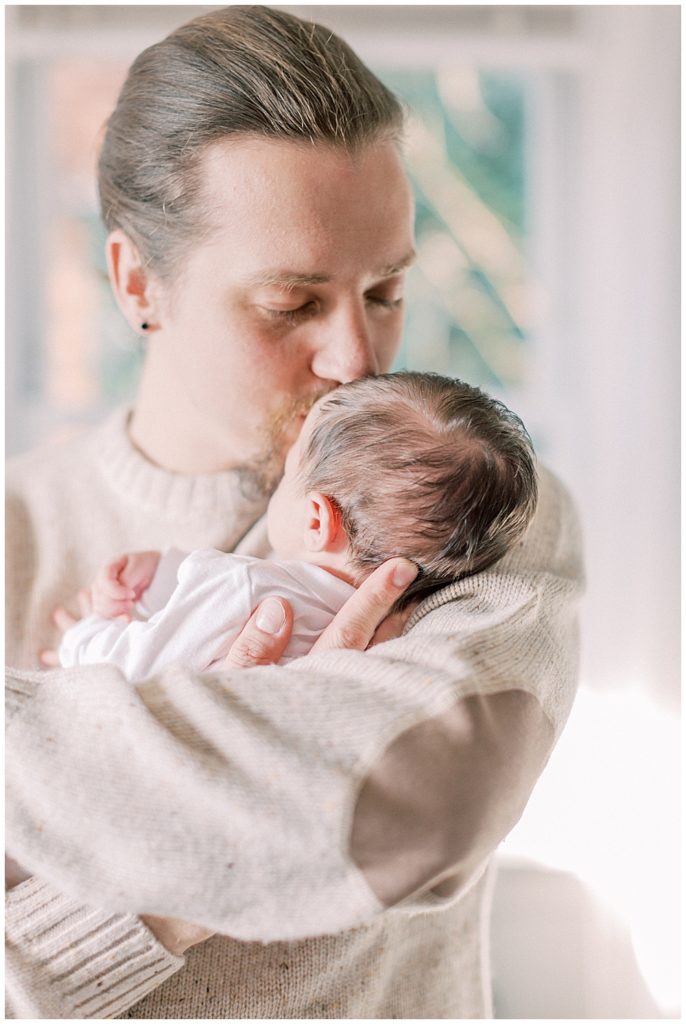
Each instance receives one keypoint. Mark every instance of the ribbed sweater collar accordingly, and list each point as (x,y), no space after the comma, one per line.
(158,491)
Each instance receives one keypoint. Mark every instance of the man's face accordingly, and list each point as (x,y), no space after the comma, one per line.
(297,288)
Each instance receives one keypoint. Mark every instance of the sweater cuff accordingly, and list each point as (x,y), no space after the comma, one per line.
(95,963)
(20,687)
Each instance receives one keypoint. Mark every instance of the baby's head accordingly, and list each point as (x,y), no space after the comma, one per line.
(410,464)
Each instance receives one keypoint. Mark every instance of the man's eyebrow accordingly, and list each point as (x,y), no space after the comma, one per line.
(292,279)
(284,279)
(397,268)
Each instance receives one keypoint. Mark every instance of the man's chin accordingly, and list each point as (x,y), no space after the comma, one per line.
(260,477)
(261,474)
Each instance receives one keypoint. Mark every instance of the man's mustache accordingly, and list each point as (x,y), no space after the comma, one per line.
(261,475)
(284,417)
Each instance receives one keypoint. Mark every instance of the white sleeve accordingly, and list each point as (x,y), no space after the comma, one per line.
(95,639)
(163,583)
(92,640)
(206,606)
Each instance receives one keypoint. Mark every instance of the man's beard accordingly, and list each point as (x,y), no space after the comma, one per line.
(259,477)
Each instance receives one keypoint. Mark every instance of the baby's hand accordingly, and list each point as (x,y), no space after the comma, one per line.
(121,583)
(64,620)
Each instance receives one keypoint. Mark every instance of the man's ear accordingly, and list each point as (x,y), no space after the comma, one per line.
(132,283)
(323,526)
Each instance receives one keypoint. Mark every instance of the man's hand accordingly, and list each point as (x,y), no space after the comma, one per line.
(175,935)
(14,872)
(366,613)
(264,637)
(362,621)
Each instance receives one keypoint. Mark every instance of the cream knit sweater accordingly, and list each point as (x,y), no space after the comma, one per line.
(228,799)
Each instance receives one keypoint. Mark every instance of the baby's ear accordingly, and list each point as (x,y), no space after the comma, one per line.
(323,527)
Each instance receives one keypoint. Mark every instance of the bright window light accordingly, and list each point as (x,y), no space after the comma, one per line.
(607,810)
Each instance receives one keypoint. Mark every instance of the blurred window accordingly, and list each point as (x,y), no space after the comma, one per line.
(70,354)
(468,310)
(92,358)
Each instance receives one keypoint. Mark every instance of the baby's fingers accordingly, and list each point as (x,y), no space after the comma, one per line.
(113,569)
(63,619)
(108,608)
(113,589)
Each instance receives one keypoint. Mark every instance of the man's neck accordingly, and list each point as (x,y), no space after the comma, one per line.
(162,444)
(172,436)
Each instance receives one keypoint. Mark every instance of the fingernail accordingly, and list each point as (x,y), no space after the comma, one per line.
(404,573)
(270,616)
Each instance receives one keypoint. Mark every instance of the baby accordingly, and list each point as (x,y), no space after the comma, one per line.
(410,464)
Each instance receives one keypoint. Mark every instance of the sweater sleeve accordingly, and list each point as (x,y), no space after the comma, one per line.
(284,802)
(63,959)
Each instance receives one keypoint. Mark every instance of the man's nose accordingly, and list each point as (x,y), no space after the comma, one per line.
(345,349)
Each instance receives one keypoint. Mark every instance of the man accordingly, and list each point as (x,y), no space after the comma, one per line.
(332,821)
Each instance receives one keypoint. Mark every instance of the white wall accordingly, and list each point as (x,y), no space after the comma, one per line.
(557,952)
(607,810)
(620,399)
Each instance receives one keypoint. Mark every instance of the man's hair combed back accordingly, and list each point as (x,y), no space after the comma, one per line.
(426,467)
(239,71)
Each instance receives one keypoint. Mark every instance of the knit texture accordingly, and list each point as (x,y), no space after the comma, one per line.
(80,959)
(228,799)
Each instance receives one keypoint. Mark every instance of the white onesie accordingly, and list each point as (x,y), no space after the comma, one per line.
(195,607)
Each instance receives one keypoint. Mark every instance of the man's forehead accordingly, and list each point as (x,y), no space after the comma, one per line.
(291,215)
(253,167)
(285,278)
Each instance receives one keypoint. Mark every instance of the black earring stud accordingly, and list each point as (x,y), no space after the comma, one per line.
(145,325)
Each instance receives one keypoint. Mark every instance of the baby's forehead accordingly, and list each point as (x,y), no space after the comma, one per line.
(314,415)
(308,425)
(317,406)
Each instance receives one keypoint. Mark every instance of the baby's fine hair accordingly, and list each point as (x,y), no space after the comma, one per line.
(426,467)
